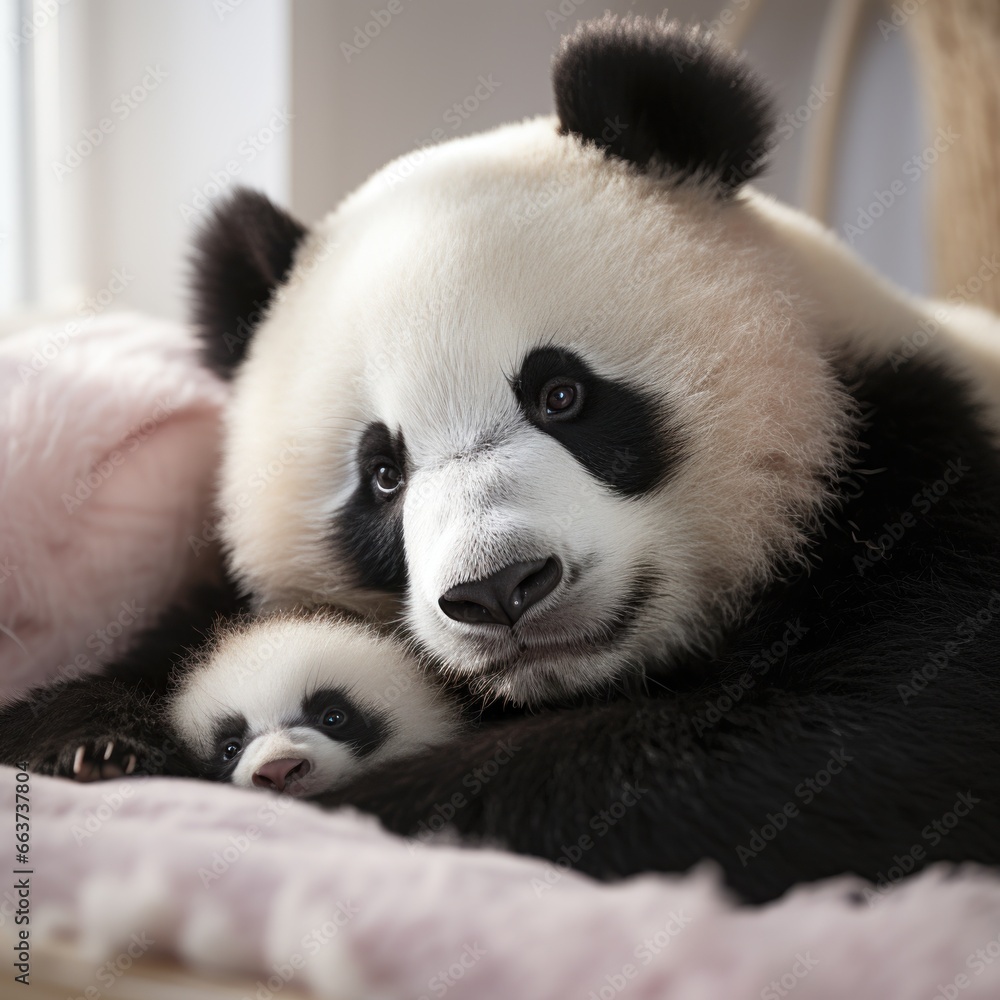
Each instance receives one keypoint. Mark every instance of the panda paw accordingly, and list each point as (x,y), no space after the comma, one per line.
(94,760)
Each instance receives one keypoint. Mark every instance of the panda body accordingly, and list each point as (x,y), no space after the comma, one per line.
(638,453)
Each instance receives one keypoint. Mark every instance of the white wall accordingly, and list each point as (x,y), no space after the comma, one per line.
(176,93)
(223,68)
(12,216)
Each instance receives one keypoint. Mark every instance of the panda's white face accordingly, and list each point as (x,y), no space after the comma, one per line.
(559,416)
(302,704)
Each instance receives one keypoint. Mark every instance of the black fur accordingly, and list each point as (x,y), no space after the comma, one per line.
(241,256)
(369,527)
(618,435)
(664,97)
(215,767)
(120,705)
(364,729)
(816,680)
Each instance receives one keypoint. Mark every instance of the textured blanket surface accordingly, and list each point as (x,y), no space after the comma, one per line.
(230,879)
(109,431)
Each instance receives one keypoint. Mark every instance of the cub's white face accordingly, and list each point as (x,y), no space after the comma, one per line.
(302,704)
(526,364)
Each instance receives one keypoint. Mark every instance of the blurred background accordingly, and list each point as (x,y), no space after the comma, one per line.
(122,120)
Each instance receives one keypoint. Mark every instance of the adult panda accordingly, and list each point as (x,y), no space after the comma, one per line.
(632,449)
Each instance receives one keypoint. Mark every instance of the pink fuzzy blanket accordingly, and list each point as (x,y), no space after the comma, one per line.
(227,879)
(109,433)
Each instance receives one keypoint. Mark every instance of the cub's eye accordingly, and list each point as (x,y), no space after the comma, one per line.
(230,749)
(334,717)
(386,477)
(561,399)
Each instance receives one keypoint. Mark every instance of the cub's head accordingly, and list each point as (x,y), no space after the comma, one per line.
(302,704)
(540,392)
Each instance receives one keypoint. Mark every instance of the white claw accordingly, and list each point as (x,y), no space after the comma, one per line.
(130,766)
(78,759)
(109,749)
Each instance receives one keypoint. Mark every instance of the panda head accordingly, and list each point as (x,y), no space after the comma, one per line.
(538,391)
(301,704)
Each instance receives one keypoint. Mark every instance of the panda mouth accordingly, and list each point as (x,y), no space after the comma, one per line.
(502,654)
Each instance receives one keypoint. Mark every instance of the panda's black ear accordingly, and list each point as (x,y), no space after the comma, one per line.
(240,257)
(665,98)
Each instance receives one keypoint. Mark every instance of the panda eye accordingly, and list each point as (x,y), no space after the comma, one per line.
(561,399)
(333,718)
(386,477)
(231,749)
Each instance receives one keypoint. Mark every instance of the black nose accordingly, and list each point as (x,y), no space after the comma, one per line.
(502,597)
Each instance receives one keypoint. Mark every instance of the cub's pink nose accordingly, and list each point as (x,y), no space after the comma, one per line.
(278,773)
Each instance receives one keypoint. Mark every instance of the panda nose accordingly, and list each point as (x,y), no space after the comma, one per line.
(502,597)
(276,774)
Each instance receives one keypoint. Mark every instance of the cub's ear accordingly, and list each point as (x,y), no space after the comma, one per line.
(666,98)
(240,257)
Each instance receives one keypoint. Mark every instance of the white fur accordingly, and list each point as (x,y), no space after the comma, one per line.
(412,302)
(263,669)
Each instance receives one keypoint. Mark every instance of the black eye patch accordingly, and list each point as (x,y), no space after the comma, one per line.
(369,527)
(341,718)
(614,430)
(220,766)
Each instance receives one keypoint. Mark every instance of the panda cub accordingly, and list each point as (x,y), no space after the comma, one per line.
(301,704)
(297,703)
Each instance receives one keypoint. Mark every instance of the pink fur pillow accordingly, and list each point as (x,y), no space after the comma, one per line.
(109,436)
